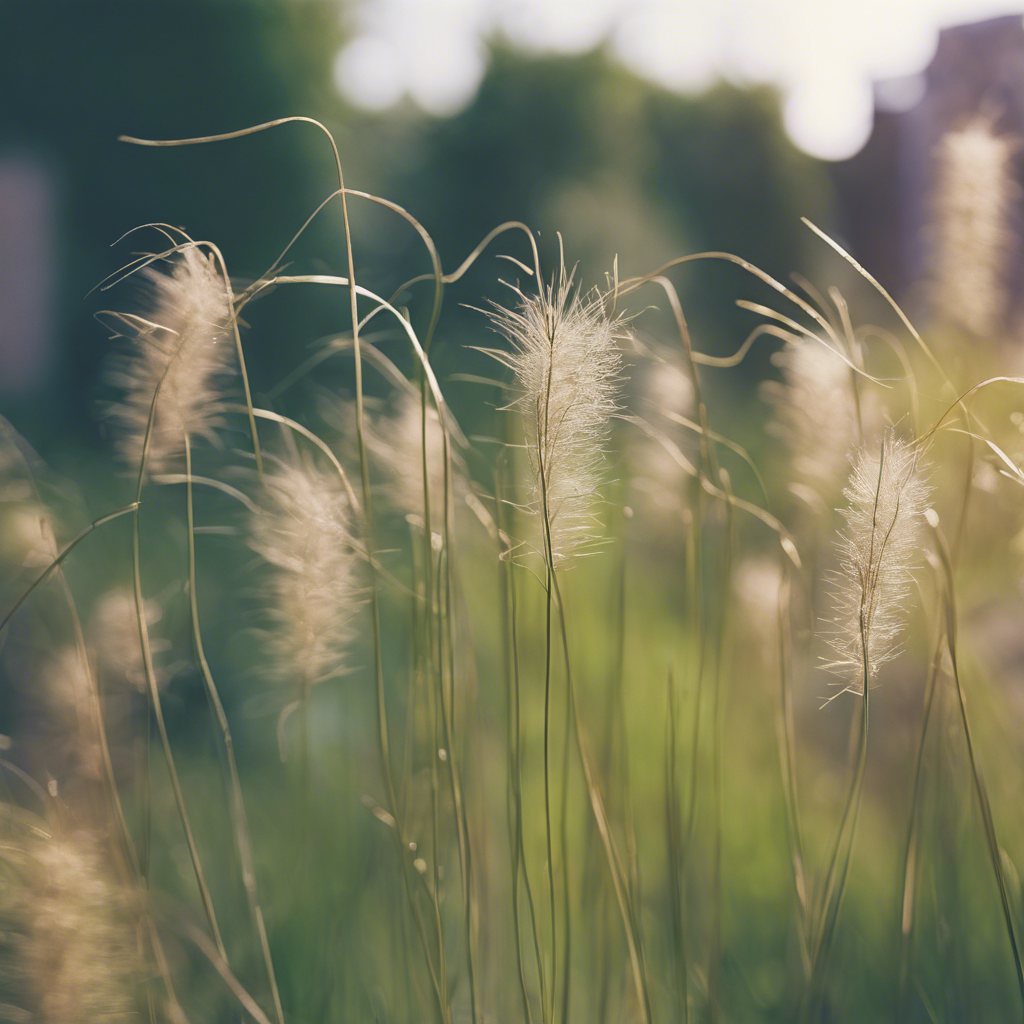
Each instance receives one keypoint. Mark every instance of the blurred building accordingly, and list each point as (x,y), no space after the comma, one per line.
(27,271)
(887,191)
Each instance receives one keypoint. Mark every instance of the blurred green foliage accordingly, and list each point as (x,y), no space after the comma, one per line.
(570,144)
(622,169)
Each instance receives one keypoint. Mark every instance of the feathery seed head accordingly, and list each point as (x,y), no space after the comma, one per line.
(28,538)
(304,533)
(665,396)
(64,684)
(115,636)
(887,496)
(396,442)
(182,347)
(56,728)
(815,415)
(758,582)
(668,387)
(974,193)
(69,953)
(566,363)
(402,446)
(393,435)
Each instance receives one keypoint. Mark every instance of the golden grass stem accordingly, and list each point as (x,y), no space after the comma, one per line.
(717,735)
(154,691)
(510,663)
(676,863)
(984,806)
(786,738)
(910,852)
(243,840)
(629,918)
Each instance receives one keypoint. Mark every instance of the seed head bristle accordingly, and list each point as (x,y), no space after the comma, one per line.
(183,347)
(69,954)
(974,194)
(395,441)
(114,633)
(304,533)
(566,364)
(887,496)
(816,417)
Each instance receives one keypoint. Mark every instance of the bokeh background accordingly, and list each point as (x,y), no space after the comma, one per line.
(639,131)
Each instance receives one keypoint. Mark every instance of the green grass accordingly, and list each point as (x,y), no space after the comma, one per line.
(621,781)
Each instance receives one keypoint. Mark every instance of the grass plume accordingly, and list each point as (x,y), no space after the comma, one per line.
(886,496)
(304,533)
(182,349)
(566,364)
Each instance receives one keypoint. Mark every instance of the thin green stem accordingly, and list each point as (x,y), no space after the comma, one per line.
(158,714)
(153,689)
(383,733)
(547,784)
(673,834)
(564,844)
(991,839)
(243,839)
(910,873)
(718,729)
(454,746)
(510,662)
(629,919)
(786,737)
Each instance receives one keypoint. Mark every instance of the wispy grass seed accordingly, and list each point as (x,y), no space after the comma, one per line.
(69,956)
(974,197)
(816,417)
(887,496)
(566,364)
(304,533)
(183,347)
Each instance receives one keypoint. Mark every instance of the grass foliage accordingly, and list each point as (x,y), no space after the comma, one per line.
(575,712)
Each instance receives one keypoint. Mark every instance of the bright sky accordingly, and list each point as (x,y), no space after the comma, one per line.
(822,54)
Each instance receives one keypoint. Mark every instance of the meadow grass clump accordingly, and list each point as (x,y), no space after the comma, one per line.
(973,211)
(304,534)
(532,786)
(878,547)
(181,348)
(68,943)
(817,417)
(566,362)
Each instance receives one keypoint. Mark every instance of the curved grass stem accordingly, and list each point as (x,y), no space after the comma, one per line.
(243,840)
(154,691)
(910,848)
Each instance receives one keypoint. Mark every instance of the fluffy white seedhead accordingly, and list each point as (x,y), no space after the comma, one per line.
(304,533)
(758,583)
(816,417)
(667,388)
(393,435)
(395,441)
(64,686)
(887,497)
(114,635)
(182,347)
(27,536)
(400,437)
(974,195)
(661,447)
(69,956)
(566,363)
